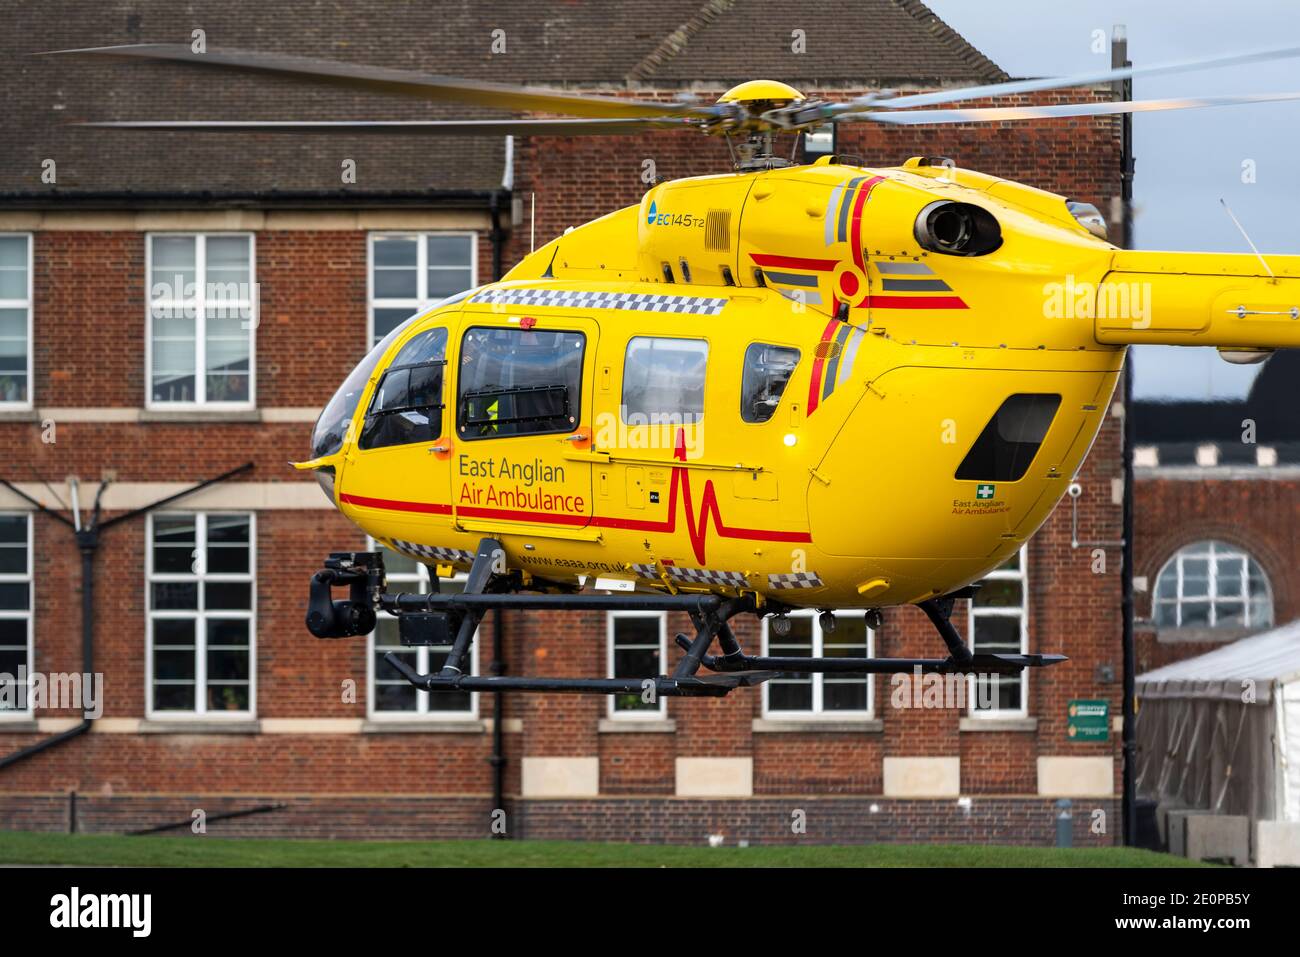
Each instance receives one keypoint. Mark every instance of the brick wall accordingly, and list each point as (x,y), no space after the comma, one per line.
(639,820)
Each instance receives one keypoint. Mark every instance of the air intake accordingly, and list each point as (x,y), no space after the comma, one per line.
(717,229)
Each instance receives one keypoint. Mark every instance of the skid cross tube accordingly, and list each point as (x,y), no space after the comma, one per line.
(960,659)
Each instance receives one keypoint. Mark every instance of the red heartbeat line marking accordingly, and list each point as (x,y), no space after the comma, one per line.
(697,529)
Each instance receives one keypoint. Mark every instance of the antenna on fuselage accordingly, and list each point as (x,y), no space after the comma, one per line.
(1227,209)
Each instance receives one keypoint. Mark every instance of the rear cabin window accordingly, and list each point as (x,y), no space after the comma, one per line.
(663,381)
(767,373)
(407,404)
(519,382)
(1004,450)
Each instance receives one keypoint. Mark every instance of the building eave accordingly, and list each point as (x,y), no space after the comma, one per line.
(251,199)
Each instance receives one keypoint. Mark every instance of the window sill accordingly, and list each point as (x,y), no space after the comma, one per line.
(818,726)
(637,726)
(999,724)
(1218,636)
(200,415)
(19,415)
(199,726)
(18,726)
(424,726)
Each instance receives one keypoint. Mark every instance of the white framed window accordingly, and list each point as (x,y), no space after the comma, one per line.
(407,270)
(998,623)
(16,605)
(15,320)
(636,645)
(1212,584)
(202,629)
(847,695)
(202,320)
(391,697)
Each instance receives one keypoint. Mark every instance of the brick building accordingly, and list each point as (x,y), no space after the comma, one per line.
(1217,505)
(215,696)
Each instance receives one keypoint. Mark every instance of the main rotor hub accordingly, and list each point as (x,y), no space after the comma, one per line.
(762,95)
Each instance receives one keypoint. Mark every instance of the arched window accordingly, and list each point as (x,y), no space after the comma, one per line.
(1212,585)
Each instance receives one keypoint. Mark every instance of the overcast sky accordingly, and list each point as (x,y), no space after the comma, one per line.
(1186,160)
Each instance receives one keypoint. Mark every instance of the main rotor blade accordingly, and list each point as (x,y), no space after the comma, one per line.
(406,82)
(548,127)
(1061,82)
(997,114)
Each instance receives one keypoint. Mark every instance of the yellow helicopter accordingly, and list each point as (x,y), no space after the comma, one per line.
(677,406)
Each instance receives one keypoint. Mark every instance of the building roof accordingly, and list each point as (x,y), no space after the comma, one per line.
(847,43)
(1177,429)
(619,45)
(1269,657)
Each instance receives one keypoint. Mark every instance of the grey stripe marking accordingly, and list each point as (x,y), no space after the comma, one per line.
(844,210)
(813,298)
(850,353)
(905,269)
(915,285)
(832,205)
(791,278)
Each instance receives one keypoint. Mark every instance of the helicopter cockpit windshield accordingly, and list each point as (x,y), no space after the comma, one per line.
(332,425)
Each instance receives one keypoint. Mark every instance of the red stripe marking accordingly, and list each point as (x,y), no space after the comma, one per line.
(855,234)
(697,528)
(815,384)
(913,302)
(793,262)
(855,228)
(428,508)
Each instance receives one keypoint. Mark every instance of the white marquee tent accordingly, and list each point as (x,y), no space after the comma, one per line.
(1222,731)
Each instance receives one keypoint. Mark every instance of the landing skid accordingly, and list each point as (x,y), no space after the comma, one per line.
(452,620)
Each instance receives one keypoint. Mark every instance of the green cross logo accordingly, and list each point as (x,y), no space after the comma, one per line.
(984,491)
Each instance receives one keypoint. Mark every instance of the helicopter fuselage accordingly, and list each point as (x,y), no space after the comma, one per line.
(804,383)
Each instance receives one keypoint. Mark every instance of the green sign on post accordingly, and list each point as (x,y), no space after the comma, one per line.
(1089,720)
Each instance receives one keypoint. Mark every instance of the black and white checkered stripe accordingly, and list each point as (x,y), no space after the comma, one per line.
(435,552)
(795,580)
(710,576)
(707,576)
(587,299)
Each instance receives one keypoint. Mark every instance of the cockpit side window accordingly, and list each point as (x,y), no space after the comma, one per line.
(519,382)
(331,429)
(767,372)
(407,404)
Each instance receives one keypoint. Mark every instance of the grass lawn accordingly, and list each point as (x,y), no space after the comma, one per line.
(20,847)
